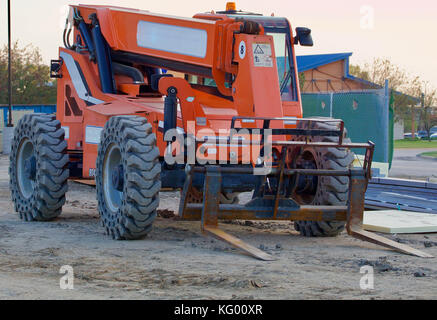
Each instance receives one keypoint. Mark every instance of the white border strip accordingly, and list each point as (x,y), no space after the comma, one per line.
(174,39)
(77,80)
(92,134)
(67,132)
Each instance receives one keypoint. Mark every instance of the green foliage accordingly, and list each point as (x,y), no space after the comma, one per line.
(408,125)
(415,144)
(31,83)
(301,80)
(357,71)
(430,154)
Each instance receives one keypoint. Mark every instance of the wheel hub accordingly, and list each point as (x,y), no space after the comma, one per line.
(113,178)
(306,185)
(118,178)
(26,168)
(30,168)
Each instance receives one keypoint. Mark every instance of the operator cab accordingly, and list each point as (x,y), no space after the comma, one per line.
(279,28)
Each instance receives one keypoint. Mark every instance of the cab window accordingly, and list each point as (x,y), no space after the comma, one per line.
(284,60)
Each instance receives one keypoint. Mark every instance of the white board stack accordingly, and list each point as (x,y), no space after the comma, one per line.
(396,221)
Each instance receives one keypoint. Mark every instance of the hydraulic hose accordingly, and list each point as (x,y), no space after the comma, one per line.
(131,72)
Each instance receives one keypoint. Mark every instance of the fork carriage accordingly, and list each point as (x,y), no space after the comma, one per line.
(279,205)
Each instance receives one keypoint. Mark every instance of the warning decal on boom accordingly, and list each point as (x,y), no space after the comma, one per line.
(262,55)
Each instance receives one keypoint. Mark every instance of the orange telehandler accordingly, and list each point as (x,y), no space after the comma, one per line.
(209,105)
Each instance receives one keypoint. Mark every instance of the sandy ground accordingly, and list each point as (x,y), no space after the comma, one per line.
(177,262)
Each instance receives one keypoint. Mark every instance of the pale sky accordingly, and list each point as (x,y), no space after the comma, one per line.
(403,30)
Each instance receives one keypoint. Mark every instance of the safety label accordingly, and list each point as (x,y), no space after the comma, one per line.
(262,55)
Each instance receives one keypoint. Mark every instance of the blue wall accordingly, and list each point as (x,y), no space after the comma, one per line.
(37,108)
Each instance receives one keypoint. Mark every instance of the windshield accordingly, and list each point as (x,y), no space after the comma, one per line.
(279,28)
(284,62)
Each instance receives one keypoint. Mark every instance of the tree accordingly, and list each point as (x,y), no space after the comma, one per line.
(407,89)
(301,80)
(429,100)
(31,83)
(383,69)
(357,71)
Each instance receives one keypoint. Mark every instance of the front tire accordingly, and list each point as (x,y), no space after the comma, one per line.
(331,191)
(38,170)
(128,177)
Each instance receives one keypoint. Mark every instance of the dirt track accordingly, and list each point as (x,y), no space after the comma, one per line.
(176,262)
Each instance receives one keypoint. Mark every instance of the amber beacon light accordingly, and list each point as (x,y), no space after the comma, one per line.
(231,6)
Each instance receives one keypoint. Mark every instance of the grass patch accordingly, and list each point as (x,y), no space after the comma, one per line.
(415,144)
(430,154)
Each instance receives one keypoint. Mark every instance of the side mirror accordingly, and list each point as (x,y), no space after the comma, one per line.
(303,37)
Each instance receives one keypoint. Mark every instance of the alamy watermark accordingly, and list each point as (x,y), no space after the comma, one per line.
(235,146)
(367,281)
(367,21)
(67,280)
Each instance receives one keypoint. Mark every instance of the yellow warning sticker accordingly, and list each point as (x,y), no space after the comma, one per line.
(262,55)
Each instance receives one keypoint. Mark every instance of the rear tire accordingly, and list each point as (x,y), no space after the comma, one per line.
(38,170)
(332,191)
(128,154)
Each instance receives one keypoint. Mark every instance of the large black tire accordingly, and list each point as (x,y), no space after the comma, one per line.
(38,170)
(128,214)
(330,190)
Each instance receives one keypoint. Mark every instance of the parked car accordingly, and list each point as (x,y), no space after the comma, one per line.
(422,134)
(417,135)
(434,136)
(433,130)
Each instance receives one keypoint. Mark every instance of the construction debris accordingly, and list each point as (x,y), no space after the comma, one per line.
(409,195)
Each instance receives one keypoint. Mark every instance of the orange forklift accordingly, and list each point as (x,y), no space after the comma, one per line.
(209,105)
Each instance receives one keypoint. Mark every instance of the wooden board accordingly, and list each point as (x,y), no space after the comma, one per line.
(87,182)
(396,221)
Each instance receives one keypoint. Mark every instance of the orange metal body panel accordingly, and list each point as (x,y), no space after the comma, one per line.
(96,117)
(256,88)
(70,107)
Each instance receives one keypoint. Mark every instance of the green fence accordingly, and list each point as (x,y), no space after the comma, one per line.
(365,113)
